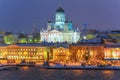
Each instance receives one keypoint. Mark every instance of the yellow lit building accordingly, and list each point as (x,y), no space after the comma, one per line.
(112,52)
(61,54)
(82,52)
(74,53)
(25,52)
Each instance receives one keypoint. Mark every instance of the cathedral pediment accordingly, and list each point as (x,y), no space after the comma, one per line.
(54,31)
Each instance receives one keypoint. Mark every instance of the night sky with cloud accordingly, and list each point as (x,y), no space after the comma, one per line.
(20,15)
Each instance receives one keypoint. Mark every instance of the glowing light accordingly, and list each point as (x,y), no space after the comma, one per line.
(107,72)
(25,53)
(114,55)
(25,68)
(45,55)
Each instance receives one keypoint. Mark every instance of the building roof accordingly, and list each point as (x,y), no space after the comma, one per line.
(3,44)
(29,44)
(76,44)
(60,10)
(112,46)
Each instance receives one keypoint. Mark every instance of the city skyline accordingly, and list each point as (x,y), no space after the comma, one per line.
(19,16)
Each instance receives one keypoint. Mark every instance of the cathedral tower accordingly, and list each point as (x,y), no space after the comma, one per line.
(60,16)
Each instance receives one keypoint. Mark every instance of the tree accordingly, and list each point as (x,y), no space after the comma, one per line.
(9,39)
(36,37)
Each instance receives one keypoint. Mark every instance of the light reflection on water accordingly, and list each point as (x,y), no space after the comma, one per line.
(25,68)
(26,73)
(77,72)
(108,74)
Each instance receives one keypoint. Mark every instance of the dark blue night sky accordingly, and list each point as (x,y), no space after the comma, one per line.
(19,15)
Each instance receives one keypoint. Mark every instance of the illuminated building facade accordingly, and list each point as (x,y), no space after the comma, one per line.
(23,52)
(72,53)
(82,52)
(60,30)
(61,54)
(112,52)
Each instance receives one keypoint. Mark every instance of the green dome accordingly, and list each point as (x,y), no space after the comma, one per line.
(59,10)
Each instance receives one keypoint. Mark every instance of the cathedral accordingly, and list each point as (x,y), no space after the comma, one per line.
(60,30)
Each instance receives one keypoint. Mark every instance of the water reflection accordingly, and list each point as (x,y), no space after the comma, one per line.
(24,68)
(77,72)
(31,73)
(108,74)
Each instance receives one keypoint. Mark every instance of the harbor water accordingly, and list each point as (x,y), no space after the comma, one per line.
(34,73)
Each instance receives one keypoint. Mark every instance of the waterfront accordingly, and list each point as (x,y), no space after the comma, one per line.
(33,73)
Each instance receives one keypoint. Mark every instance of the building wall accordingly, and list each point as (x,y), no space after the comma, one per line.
(86,52)
(71,37)
(112,53)
(61,54)
(28,53)
(75,53)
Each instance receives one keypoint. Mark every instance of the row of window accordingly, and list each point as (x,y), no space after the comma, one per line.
(20,50)
(24,57)
(21,54)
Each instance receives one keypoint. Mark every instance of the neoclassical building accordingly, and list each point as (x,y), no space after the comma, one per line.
(60,30)
(19,52)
